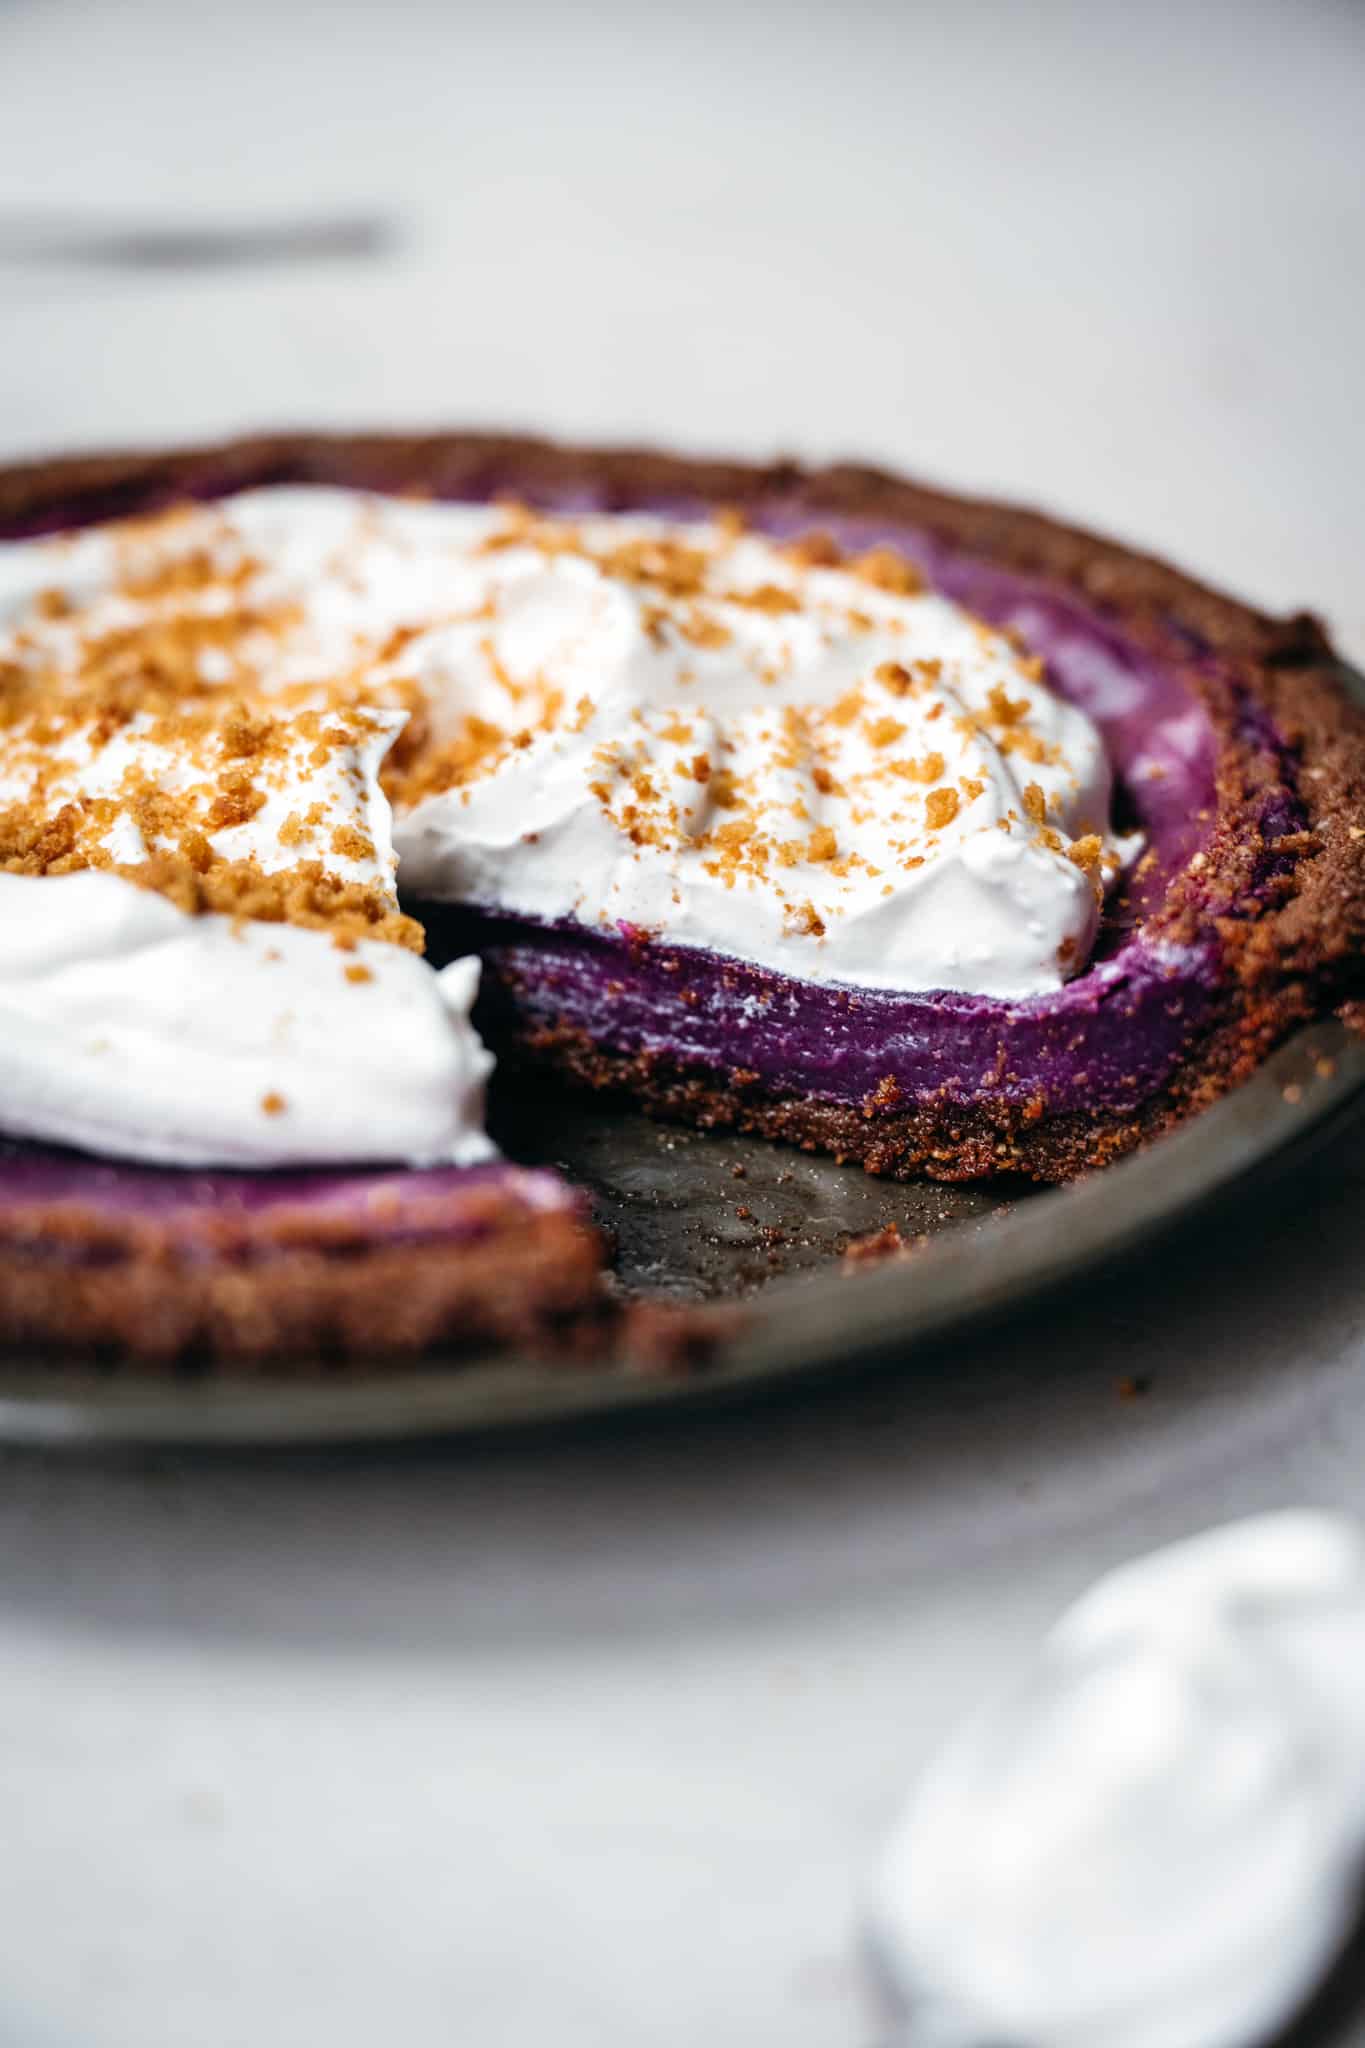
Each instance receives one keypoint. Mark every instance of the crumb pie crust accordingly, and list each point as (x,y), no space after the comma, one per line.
(1266,916)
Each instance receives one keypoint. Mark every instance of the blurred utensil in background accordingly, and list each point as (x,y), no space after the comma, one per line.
(132,241)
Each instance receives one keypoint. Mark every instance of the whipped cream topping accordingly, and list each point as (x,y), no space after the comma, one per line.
(780,754)
(791,764)
(135,1029)
(1155,1838)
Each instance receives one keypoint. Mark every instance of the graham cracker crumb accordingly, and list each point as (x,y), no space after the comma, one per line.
(940,808)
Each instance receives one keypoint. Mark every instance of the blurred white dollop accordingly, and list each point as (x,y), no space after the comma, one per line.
(1154,1838)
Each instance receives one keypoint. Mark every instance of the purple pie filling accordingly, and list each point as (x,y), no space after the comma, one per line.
(251,1216)
(1111,1037)
(1108,1040)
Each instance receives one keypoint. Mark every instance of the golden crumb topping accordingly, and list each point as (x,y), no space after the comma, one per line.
(199,703)
(144,732)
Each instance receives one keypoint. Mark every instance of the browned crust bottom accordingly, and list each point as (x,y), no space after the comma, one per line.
(1289,955)
(533,1281)
(937,1140)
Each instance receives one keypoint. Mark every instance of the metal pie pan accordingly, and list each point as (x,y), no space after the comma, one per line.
(710,1217)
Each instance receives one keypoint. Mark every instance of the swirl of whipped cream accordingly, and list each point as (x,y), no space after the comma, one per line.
(131,1028)
(827,771)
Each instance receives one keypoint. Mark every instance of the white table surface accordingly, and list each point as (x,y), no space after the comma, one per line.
(590,1743)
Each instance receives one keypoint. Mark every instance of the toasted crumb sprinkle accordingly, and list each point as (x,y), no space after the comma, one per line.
(889,571)
(1006,710)
(814,551)
(762,798)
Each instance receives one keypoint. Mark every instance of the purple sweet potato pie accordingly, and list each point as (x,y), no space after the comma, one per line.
(923,832)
